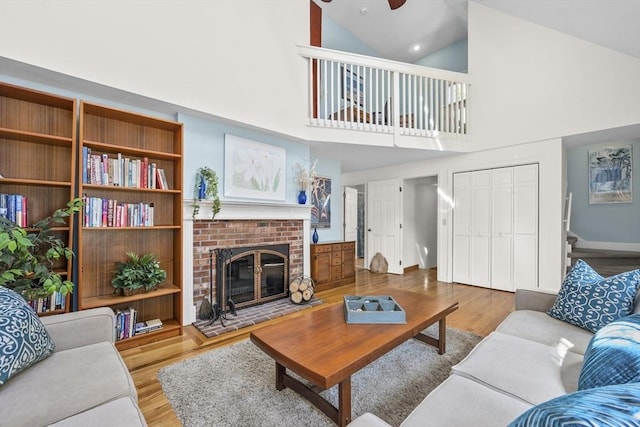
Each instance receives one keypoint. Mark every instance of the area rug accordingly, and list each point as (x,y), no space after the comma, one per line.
(252,316)
(234,385)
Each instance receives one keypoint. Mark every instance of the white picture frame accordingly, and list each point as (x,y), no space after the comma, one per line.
(253,170)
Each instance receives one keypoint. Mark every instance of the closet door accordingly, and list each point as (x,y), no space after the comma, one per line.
(462,227)
(472,228)
(502,229)
(525,237)
(481,228)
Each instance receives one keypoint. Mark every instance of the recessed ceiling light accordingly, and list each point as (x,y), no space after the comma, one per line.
(364,11)
(416,47)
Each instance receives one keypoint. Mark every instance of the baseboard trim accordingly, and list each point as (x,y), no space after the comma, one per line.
(411,268)
(611,246)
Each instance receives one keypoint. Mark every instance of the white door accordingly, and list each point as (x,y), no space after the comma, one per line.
(462,227)
(525,236)
(481,228)
(502,229)
(350,231)
(383,222)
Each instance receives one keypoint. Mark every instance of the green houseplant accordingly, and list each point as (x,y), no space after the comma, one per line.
(28,255)
(206,187)
(138,273)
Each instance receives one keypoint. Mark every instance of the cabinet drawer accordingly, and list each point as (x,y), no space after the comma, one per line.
(317,249)
(336,247)
(349,246)
(336,258)
(336,272)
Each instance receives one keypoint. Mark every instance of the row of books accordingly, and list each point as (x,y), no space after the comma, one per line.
(14,208)
(127,324)
(55,301)
(101,212)
(121,171)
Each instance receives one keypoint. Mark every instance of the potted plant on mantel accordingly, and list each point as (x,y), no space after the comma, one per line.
(28,255)
(139,273)
(206,187)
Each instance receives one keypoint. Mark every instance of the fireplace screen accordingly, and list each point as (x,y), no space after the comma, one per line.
(250,276)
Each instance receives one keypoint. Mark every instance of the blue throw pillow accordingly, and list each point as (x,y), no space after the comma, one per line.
(613,355)
(23,339)
(591,301)
(615,405)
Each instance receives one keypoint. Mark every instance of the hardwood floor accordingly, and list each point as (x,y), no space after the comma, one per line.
(480,311)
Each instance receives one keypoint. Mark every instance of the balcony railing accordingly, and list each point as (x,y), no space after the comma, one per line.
(349,91)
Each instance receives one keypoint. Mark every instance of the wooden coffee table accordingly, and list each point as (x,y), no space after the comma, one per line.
(322,348)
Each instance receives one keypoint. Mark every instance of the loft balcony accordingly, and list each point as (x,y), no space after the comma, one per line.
(356,92)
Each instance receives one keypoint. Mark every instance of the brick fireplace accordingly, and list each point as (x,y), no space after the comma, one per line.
(239,224)
(223,234)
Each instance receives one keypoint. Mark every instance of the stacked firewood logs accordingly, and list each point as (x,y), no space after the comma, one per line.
(301,289)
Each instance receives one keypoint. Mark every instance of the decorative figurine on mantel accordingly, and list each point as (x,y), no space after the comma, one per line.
(305,177)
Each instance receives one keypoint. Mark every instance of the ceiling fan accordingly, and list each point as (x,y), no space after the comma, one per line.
(393,4)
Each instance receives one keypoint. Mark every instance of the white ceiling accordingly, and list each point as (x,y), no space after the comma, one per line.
(436,24)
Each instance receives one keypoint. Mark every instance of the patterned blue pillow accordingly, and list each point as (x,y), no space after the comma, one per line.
(591,301)
(23,339)
(615,405)
(613,355)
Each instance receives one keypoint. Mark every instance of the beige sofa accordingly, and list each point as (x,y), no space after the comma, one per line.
(83,383)
(530,358)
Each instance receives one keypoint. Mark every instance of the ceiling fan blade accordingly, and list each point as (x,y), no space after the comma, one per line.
(394,4)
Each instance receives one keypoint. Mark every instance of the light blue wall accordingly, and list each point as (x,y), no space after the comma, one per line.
(453,58)
(204,146)
(610,222)
(335,36)
(331,168)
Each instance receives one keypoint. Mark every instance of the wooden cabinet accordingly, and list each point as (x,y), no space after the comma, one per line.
(333,264)
(116,137)
(37,163)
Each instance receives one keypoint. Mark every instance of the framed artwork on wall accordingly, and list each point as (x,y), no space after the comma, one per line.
(610,175)
(321,203)
(253,170)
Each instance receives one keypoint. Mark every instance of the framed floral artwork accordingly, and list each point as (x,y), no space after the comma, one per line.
(253,170)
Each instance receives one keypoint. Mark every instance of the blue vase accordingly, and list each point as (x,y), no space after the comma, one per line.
(314,237)
(302,197)
(202,189)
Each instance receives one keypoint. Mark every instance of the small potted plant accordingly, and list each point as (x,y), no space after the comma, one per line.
(28,255)
(206,187)
(139,273)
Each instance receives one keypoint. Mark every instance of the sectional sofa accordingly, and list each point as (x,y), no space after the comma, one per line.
(530,360)
(79,378)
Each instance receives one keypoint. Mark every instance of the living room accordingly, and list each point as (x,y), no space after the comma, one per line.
(190,68)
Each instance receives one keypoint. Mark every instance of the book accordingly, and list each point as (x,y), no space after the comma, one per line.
(148,326)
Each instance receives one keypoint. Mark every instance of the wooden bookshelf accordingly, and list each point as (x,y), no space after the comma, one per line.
(110,132)
(38,158)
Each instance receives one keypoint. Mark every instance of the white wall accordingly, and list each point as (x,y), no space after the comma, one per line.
(533,83)
(211,56)
(548,154)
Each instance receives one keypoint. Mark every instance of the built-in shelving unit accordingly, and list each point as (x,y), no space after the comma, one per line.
(115,134)
(37,162)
